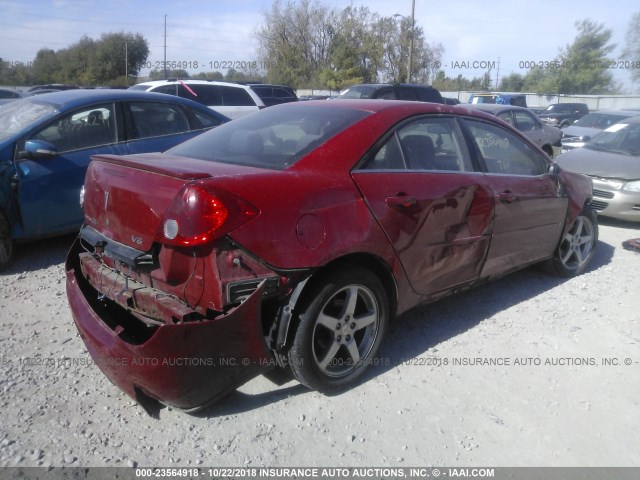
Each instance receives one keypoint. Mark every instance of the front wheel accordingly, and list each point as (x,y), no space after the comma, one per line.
(578,245)
(343,319)
(6,243)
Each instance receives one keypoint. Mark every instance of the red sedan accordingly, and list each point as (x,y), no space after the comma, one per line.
(290,237)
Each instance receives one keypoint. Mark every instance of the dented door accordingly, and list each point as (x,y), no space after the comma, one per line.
(436,210)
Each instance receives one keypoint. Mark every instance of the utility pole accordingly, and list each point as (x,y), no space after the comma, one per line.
(126,63)
(164,64)
(413,25)
(412,30)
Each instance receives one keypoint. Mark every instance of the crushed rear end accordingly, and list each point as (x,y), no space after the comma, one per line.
(144,283)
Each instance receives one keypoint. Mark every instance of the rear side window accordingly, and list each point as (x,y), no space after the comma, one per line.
(406,94)
(205,94)
(504,153)
(236,97)
(430,95)
(205,121)
(150,119)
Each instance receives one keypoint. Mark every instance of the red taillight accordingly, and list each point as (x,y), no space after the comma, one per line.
(199,215)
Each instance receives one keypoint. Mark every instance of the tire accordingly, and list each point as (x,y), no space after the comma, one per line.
(7,249)
(342,321)
(577,247)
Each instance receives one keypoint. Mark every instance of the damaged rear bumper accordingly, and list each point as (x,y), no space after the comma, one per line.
(188,365)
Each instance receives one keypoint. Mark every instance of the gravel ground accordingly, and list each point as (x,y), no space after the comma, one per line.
(529,370)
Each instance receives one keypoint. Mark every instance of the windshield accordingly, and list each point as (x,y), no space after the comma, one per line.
(18,116)
(619,138)
(274,138)
(558,107)
(363,91)
(599,120)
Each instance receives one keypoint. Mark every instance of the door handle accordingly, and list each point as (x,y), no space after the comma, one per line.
(400,201)
(507,197)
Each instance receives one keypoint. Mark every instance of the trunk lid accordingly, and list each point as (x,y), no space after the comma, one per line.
(126,197)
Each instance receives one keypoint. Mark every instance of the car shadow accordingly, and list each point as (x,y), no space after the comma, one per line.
(40,254)
(421,329)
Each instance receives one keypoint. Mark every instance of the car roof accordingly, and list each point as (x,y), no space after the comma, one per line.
(631,120)
(625,111)
(495,107)
(172,81)
(378,105)
(380,85)
(71,98)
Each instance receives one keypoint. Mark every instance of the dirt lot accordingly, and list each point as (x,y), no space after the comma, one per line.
(530,370)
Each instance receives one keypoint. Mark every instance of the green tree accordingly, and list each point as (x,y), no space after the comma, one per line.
(580,68)
(355,56)
(514,82)
(631,52)
(294,42)
(46,66)
(156,74)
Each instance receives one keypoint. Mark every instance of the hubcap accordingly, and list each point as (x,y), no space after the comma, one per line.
(345,330)
(577,243)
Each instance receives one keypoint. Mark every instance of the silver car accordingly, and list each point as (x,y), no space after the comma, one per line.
(612,160)
(543,135)
(590,125)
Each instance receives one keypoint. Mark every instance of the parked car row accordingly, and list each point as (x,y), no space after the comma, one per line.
(230,99)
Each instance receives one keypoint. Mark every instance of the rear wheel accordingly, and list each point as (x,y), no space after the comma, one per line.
(578,245)
(6,243)
(342,322)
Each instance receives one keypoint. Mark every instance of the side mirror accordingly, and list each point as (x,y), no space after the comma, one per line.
(553,169)
(34,149)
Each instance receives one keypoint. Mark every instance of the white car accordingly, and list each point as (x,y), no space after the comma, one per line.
(230,99)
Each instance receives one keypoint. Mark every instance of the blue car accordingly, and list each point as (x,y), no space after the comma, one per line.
(46,143)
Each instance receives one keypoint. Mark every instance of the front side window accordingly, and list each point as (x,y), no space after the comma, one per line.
(503,152)
(90,127)
(525,121)
(151,119)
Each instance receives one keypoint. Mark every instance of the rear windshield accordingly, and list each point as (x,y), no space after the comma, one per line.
(275,138)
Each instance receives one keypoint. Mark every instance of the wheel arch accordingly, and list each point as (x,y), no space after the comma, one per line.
(288,320)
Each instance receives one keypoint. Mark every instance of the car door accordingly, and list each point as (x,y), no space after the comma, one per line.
(156,126)
(530,208)
(433,205)
(51,176)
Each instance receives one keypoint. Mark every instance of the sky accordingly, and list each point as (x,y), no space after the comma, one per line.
(503,34)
